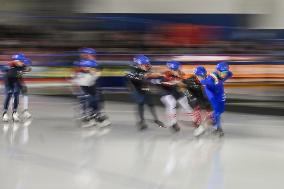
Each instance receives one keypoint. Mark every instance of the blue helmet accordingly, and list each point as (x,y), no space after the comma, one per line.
(19,57)
(173,65)
(141,59)
(87,51)
(88,63)
(222,66)
(200,71)
(27,62)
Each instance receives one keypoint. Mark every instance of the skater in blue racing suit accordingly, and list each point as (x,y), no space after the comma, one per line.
(214,87)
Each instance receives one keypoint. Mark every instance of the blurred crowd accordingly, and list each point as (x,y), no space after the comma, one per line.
(68,34)
(52,43)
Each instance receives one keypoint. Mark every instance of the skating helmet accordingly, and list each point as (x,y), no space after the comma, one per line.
(87,51)
(222,67)
(19,57)
(141,60)
(173,65)
(27,62)
(200,71)
(88,63)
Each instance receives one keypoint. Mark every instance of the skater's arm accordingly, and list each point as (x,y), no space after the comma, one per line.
(153,75)
(209,83)
(27,69)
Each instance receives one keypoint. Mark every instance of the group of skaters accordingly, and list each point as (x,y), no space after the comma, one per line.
(201,94)
(86,73)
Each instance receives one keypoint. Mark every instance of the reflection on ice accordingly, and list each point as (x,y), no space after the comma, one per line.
(16,133)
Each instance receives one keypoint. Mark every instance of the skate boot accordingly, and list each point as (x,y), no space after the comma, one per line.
(26,114)
(15,117)
(102,119)
(87,124)
(87,121)
(5,117)
(199,131)
(142,125)
(159,123)
(218,132)
(85,118)
(175,127)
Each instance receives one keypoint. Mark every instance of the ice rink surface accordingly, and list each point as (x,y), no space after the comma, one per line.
(53,153)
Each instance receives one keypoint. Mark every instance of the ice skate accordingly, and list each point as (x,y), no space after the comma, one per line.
(175,127)
(142,125)
(199,131)
(84,118)
(159,123)
(102,120)
(88,123)
(218,132)
(5,117)
(15,117)
(105,123)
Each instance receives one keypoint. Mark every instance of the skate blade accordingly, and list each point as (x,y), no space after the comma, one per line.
(88,124)
(161,126)
(156,124)
(105,123)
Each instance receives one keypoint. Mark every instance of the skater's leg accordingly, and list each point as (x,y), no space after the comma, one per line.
(9,88)
(153,111)
(91,99)
(141,112)
(24,91)
(183,102)
(84,104)
(196,116)
(149,101)
(16,94)
(93,103)
(218,110)
(217,121)
(100,99)
(140,101)
(170,103)
(8,96)
(16,101)
(5,116)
